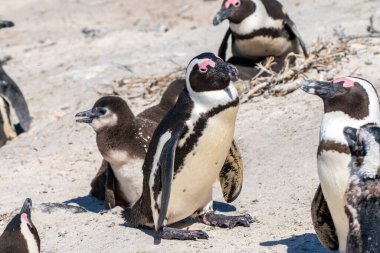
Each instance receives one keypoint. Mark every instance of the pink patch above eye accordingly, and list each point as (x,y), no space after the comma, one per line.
(346,82)
(203,65)
(24,216)
(235,3)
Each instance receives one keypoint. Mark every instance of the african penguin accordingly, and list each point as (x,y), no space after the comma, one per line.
(20,235)
(363,193)
(259,28)
(187,153)
(107,187)
(6,24)
(11,95)
(352,102)
(122,140)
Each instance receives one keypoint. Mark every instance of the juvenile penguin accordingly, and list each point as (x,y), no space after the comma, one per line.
(187,153)
(352,102)
(11,95)
(108,184)
(363,194)
(259,28)
(20,235)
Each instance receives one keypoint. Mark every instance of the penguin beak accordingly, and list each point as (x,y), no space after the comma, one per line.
(227,70)
(90,115)
(319,88)
(26,212)
(222,15)
(6,24)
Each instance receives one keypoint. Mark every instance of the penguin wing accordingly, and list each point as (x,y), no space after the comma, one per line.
(110,189)
(231,175)
(10,90)
(323,222)
(223,47)
(293,31)
(166,167)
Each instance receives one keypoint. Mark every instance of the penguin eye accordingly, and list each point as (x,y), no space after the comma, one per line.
(237,4)
(203,70)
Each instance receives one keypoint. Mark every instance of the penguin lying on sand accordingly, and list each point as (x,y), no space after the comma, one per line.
(20,235)
(259,28)
(11,95)
(187,153)
(363,194)
(352,102)
(123,140)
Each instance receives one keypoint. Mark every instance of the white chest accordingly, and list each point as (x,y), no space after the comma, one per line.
(29,238)
(130,178)
(192,186)
(261,46)
(8,129)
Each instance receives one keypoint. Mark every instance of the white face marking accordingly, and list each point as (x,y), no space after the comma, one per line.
(129,175)
(204,101)
(259,19)
(109,119)
(164,138)
(29,237)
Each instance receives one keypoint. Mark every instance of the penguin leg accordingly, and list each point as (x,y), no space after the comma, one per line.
(224,221)
(179,234)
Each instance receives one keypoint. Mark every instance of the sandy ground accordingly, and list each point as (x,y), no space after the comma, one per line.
(62,72)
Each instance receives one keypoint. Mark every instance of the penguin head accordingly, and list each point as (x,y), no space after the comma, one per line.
(207,72)
(22,224)
(106,112)
(364,144)
(353,96)
(235,11)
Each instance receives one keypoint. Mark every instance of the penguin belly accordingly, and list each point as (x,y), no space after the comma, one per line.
(8,129)
(261,46)
(129,175)
(334,181)
(192,185)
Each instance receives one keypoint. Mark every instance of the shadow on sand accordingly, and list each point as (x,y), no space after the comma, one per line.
(300,244)
(88,202)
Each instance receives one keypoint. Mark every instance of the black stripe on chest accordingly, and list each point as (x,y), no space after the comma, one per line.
(198,130)
(264,32)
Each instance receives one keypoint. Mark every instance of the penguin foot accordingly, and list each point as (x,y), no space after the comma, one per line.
(179,234)
(223,221)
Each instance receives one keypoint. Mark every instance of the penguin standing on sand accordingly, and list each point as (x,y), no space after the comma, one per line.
(11,95)
(363,194)
(187,153)
(259,28)
(20,235)
(352,102)
(123,144)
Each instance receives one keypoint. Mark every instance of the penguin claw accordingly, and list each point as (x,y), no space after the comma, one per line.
(178,234)
(223,221)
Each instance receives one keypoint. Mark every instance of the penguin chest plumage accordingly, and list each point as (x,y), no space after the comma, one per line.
(192,185)
(128,173)
(334,181)
(261,46)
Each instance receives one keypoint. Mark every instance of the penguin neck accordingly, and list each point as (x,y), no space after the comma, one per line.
(204,101)
(255,21)
(33,243)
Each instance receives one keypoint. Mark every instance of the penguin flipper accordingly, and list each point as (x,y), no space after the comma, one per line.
(224,45)
(110,189)
(166,167)
(291,27)
(323,222)
(231,175)
(10,90)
